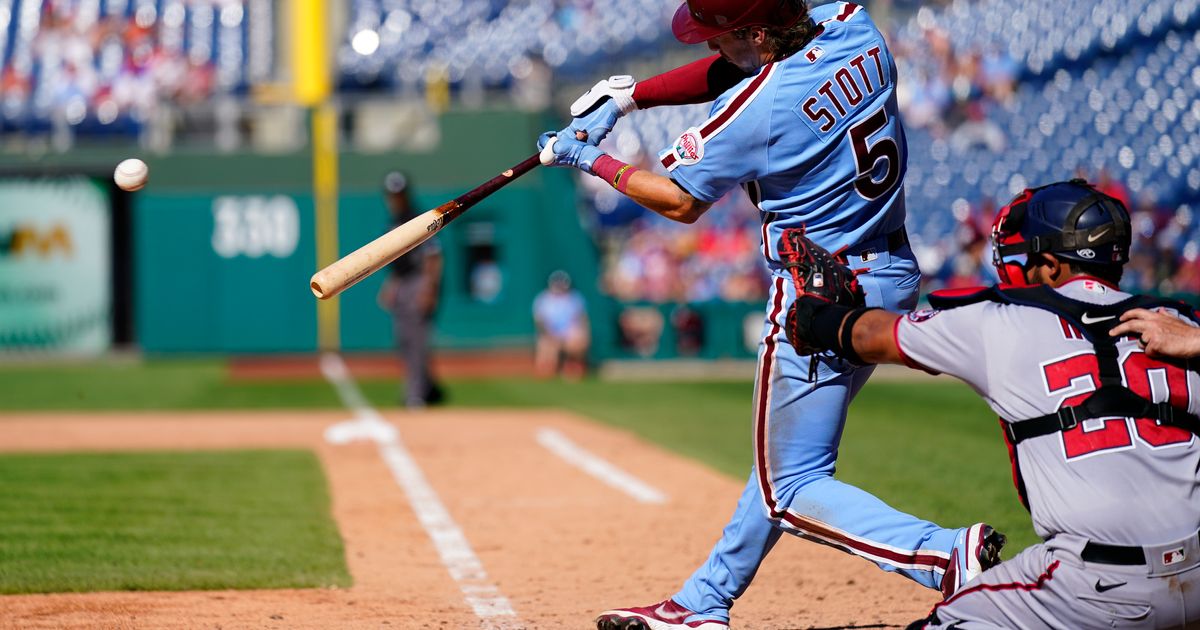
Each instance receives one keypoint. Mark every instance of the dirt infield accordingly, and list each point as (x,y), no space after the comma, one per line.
(558,543)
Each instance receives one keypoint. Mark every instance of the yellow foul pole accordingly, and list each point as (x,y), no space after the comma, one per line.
(311,81)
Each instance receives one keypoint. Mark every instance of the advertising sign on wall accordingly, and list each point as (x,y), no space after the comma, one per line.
(55,266)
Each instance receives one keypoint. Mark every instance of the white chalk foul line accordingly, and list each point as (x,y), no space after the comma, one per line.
(573,454)
(489,604)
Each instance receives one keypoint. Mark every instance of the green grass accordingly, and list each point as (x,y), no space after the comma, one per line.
(929,448)
(174,384)
(166,521)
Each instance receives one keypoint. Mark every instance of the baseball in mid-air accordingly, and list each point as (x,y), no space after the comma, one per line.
(131,174)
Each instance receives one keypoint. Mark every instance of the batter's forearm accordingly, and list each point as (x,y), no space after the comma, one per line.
(698,82)
(664,196)
(873,338)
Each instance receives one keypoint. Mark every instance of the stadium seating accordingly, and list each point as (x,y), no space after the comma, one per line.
(401,42)
(1091,86)
(102,66)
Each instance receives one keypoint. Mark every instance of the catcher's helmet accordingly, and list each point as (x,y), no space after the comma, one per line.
(1071,220)
(697,21)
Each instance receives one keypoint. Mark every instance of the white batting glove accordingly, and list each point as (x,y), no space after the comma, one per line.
(597,111)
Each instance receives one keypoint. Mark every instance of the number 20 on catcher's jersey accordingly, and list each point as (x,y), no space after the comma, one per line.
(1079,374)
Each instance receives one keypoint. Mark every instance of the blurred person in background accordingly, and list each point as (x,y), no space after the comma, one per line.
(410,293)
(563,331)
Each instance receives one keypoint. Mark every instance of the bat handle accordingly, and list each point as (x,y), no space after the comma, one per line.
(474,196)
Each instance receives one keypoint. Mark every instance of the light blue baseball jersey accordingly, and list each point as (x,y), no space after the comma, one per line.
(815,138)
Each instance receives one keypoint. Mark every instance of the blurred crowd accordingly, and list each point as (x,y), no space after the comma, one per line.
(952,90)
(72,61)
(646,258)
(107,65)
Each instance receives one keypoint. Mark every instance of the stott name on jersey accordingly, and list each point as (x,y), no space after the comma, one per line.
(852,84)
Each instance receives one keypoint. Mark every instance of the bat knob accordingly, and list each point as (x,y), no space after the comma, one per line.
(546,157)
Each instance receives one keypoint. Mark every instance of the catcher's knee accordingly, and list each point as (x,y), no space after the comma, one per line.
(924,622)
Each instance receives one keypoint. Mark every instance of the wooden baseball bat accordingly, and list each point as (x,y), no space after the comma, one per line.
(369,258)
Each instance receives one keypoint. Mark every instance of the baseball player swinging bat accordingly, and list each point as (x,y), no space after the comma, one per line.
(366,260)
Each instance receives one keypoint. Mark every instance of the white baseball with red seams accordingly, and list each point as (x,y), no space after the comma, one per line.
(131,174)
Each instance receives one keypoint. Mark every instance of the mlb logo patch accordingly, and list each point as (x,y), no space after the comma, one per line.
(814,54)
(1174,556)
(689,148)
(1094,287)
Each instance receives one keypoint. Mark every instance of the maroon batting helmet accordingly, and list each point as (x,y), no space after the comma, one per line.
(701,20)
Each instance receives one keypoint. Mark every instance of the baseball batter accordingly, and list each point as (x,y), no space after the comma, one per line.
(805,120)
(1102,435)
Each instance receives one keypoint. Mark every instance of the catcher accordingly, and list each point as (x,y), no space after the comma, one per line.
(1101,434)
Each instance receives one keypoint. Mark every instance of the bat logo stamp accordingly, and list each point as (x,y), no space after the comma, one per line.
(435,225)
(507,173)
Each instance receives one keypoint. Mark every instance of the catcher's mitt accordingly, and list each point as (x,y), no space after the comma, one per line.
(818,275)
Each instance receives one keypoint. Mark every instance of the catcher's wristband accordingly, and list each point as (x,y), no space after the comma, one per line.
(845,347)
(614,171)
(832,326)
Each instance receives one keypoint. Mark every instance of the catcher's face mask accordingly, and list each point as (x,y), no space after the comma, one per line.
(1008,254)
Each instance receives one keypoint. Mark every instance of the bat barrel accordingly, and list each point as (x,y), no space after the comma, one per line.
(369,258)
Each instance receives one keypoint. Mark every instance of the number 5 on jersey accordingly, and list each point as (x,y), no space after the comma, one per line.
(869,151)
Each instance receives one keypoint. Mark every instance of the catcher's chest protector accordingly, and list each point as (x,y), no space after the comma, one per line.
(1112,398)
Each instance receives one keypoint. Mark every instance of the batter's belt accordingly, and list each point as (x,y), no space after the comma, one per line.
(870,250)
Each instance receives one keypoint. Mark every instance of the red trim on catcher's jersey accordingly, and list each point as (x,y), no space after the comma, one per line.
(1018,483)
(1069,331)
(1046,576)
(908,361)
(959,292)
(731,110)
(811,528)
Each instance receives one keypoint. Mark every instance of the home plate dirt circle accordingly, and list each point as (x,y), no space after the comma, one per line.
(559,544)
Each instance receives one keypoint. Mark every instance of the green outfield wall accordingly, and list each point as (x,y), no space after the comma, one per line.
(215,254)
(223,245)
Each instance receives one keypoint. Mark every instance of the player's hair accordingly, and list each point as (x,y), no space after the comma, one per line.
(781,42)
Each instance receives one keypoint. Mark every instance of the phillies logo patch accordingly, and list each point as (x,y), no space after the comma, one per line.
(922,315)
(689,148)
